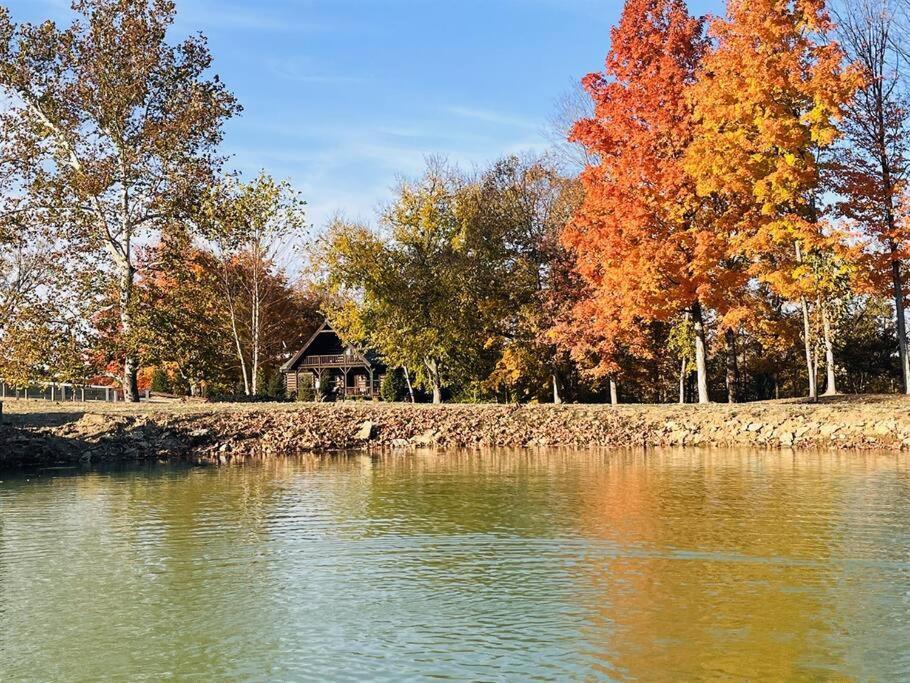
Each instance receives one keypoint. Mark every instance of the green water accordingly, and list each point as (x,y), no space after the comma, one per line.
(505,566)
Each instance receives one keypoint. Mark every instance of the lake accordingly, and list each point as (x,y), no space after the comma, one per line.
(495,566)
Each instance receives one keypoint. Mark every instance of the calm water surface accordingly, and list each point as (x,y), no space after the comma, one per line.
(505,566)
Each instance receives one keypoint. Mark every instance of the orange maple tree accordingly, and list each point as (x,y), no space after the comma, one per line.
(640,247)
(767,102)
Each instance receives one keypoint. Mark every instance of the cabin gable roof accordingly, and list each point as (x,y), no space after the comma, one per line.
(335,347)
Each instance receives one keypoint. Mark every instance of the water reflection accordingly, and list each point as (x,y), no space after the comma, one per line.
(675,564)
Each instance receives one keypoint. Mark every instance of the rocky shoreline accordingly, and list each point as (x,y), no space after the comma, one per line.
(55,434)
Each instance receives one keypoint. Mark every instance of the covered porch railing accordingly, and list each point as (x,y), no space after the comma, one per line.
(362,391)
(338,360)
(346,381)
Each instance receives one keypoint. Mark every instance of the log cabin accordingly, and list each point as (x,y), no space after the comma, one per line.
(333,368)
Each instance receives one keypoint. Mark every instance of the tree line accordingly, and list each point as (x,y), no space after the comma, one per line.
(738,228)
(726,222)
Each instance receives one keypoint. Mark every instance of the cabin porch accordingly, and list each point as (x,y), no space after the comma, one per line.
(349,382)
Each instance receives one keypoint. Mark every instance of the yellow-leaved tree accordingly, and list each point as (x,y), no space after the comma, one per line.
(767,103)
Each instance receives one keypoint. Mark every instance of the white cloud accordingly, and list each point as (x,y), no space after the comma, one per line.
(352,167)
(304,70)
(488,116)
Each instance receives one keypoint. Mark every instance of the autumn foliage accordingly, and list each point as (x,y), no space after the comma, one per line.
(707,196)
(730,223)
(640,243)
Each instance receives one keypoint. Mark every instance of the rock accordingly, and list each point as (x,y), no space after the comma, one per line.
(205,436)
(678,437)
(365,433)
(885,428)
(428,438)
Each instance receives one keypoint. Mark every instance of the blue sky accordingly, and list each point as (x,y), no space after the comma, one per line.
(343,96)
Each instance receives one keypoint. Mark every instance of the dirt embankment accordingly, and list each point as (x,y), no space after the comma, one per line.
(45,433)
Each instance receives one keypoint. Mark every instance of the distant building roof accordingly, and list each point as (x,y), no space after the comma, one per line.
(326,345)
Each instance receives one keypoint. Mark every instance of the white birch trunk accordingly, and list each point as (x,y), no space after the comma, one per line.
(807,335)
(407,380)
(701,354)
(831,387)
(901,323)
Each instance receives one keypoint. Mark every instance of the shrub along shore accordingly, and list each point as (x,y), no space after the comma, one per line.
(47,434)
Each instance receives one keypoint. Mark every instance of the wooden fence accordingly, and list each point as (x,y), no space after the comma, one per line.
(55,391)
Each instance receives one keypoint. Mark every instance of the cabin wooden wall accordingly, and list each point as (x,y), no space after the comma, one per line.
(292,383)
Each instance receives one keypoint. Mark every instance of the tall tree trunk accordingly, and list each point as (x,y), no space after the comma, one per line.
(682,381)
(239,348)
(701,353)
(433,368)
(807,334)
(614,393)
(407,380)
(557,399)
(891,222)
(254,370)
(831,385)
(256,323)
(235,331)
(130,363)
(900,314)
(732,368)
(815,365)
(807,343)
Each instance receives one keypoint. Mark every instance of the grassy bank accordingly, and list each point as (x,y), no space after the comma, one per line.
(43,433)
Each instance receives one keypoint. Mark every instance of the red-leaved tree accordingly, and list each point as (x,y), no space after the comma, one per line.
(639,240)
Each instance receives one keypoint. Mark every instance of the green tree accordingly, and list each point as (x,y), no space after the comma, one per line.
(161,383)
(515,212)
(275,387)
(681,344)
(393,387)
(410,295)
